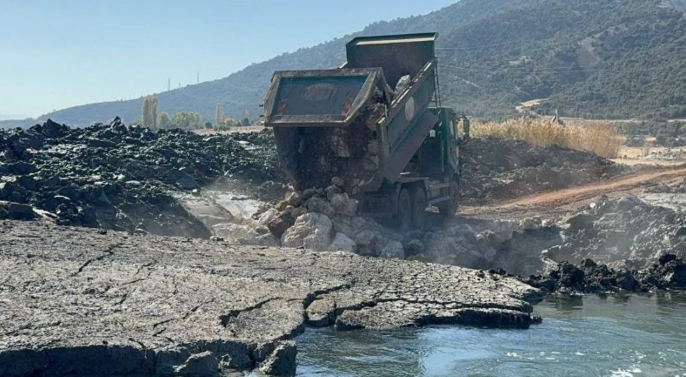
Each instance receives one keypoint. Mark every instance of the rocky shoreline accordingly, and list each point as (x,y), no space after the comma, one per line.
(80,301)
(589,277)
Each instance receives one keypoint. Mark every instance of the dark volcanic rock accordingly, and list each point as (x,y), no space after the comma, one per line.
(121,177)
(591,277)
(16,211)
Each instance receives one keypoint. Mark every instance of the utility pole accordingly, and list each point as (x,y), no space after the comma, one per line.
(168,84)
(198,78)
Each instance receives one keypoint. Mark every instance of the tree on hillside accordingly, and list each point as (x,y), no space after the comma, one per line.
(149,112)
(218,114)
(163,120)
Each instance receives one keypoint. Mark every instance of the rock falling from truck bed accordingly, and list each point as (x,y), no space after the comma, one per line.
(350,152)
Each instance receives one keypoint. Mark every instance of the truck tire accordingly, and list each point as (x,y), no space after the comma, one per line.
(403,219)
(419,205)
(449,207)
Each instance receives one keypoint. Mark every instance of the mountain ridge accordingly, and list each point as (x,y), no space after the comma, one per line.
(616,58)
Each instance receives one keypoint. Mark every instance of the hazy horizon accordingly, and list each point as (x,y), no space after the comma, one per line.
(79,52)
(12,116)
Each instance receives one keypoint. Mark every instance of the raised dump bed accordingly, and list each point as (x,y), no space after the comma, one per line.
(368,122)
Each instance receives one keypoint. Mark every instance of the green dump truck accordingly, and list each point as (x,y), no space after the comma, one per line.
(395,149)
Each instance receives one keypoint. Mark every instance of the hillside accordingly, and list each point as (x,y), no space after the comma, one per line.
(611,58)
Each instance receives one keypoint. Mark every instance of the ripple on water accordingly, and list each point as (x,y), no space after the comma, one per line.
(594,336)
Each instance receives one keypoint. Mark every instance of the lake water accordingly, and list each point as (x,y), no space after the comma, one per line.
(593,336)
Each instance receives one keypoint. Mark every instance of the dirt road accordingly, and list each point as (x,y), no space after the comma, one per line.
(560,202)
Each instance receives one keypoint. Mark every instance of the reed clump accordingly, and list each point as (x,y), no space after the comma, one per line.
(600,138)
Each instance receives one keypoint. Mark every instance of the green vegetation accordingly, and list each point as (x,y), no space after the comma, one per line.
(187,121)
(591,58)
(149,112)
(164,121)
(666,134)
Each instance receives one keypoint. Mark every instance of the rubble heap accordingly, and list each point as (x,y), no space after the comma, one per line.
(327,220)
(589,277)
(626,232)
(495,168)
(116,176)
(312,155)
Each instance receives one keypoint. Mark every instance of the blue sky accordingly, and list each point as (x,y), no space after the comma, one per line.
(60,53)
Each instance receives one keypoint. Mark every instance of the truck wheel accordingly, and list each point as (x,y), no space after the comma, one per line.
(403,220)
(418,208)
(449,207)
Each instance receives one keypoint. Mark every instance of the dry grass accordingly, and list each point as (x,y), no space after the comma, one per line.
(232,130)
(599,137)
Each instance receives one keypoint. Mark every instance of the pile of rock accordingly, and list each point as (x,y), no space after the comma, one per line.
(590,277)
(512,245)
(495,168)
(624,232)
(327,220)
(121,177)
(312,155)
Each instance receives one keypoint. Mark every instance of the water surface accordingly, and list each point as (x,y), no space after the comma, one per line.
(593,336)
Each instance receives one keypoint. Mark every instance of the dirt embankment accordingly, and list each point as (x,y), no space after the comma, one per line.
(496,169)
(568,200)
(118,304)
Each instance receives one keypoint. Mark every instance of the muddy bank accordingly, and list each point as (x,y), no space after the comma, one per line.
(626,234)
(121,177)
(493,168)
(74,301)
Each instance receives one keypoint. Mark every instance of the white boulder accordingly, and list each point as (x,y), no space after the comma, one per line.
(311,231)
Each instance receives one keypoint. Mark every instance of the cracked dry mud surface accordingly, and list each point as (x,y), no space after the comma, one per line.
(77,302)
